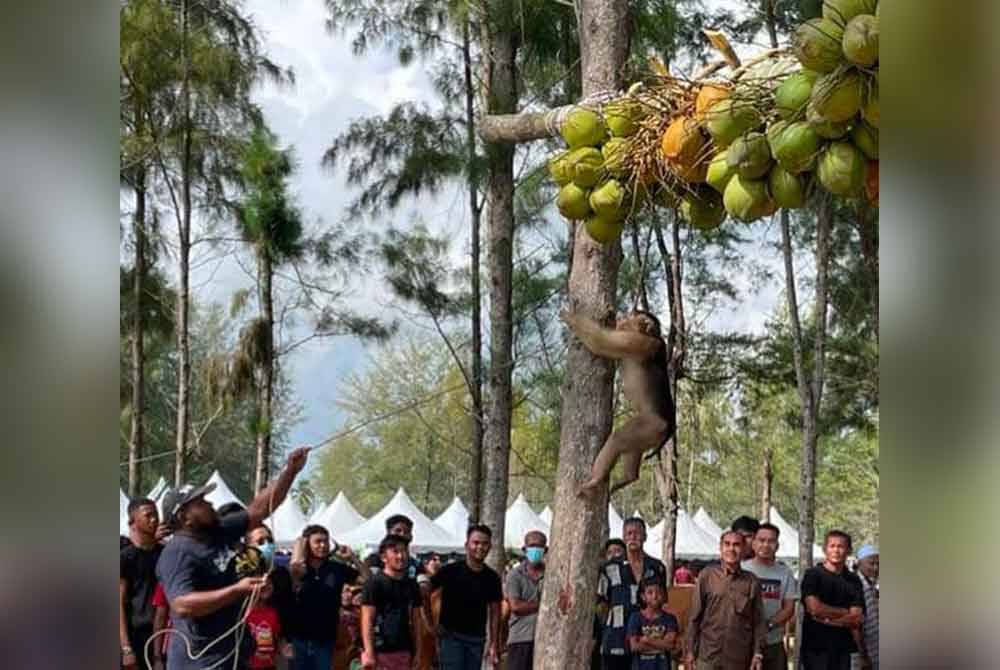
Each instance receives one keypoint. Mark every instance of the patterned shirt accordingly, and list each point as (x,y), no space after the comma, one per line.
(619,590)
(871,620)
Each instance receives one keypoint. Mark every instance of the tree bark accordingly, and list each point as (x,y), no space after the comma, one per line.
(137,433)
(184,289)
(501,96)
(565,618)
(767,480)
(266,393)
(475,212)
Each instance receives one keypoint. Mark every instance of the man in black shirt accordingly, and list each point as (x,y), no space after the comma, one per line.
(834,603)
(401,525)
(199,574)
(470,599)
(137,581)
(388,604)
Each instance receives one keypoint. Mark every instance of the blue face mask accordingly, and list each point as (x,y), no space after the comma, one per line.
(266,551)
(535,555)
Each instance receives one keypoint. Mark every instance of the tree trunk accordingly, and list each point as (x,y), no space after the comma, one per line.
(475,212)
(137,432)
(767,480)
(868,235)
(565,619)
(501,98)
(264,409)
(183,290)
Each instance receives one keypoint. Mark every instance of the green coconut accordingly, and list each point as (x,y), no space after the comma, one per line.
(837,96)
(719,171)
(787,189)
(796,146)
(614,152)
(583,128)
(870,110)
(746,199)
(841,169)
(865,138)
(603,230)
(817,45)
(728,119)
(860,41)
(703,209)
(572,202)
(793,93)
(750,156)
(622,117)
(560,169)
(842,11)
(588,166)
(608,200)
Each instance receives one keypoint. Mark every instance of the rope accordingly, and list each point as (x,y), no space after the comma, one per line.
(554,118)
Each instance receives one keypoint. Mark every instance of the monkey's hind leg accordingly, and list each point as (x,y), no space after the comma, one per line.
(632,439)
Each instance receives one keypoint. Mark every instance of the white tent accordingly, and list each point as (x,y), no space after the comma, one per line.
(637,514)
(546,516)
(427,536)
(122,512)
(159,488)
(222,493)
(692,541)
(455,519)
(339,517)
(615,522)
(520,520)
(788,538)
(287,522)
(702,518)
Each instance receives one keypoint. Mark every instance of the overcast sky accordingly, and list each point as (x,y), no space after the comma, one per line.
(332,88)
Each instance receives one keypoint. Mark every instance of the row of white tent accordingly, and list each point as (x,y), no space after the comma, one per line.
(696,537)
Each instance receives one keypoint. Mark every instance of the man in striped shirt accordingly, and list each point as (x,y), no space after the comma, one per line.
(868,572)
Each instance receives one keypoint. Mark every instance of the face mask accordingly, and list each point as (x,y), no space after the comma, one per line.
(267,551)
(534,554)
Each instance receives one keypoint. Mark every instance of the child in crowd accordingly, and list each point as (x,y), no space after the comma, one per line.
(651,631)
(264,626)
(348,648)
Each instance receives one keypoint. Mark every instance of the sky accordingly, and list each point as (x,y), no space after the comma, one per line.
(332,88)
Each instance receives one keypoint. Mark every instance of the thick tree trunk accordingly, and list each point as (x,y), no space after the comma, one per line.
(475,213)
(184,270)
(264,409)
(579,526)
(501,98)
(137,433)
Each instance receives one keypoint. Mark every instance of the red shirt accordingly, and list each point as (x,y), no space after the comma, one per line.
(683,576)
(160,600)
(264,626)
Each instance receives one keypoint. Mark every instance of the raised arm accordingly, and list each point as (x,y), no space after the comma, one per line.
(274,494)
(609,343)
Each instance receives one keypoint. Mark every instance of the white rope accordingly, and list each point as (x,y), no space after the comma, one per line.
(554,118)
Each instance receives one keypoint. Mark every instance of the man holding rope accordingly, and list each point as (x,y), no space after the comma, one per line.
(207,602)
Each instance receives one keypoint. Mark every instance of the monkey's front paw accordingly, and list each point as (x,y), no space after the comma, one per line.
(587,490)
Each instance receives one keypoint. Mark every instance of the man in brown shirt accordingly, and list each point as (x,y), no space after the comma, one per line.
(727,629)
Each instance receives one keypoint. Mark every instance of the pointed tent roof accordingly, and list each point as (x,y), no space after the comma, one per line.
(615,522)
(702,518)
(339,517)
(692,541)
(455,519)
(122,512)
(788,540)
(637,514)
(520,520)
(159,488)
(287,522)
(426,534)
(546,515)
(222,493)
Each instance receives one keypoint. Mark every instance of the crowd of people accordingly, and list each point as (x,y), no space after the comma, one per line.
(206,588)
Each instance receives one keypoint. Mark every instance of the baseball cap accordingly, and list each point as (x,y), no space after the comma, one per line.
(866,551)
(175,499)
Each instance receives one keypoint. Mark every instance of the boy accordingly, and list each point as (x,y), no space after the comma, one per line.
(387,609)
(264,626)
(651,631)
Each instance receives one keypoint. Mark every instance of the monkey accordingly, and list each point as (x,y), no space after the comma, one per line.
(635,341)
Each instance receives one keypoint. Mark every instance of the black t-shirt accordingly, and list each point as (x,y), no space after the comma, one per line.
(138,569)
(836,590)
(193,564)
(464,597)
(317,601)
(393,600)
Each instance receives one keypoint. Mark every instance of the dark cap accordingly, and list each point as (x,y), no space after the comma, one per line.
(175,499)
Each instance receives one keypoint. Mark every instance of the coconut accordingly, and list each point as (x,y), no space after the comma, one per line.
(572,202)
(787,189)
(841,169)
(560,169)
(703,208)
(622,117)
(603,230)
(866,138)
(719,172)
(583,128)
(588,166)
(793,93)
(842,11)
(683,141)
(870,111)
(829,130)
(750,156)
(708,95)
(608,200)
(728,119)
(860,42)
(746,199)
(817,45)
(795,147)
(837,96)
(614,152)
